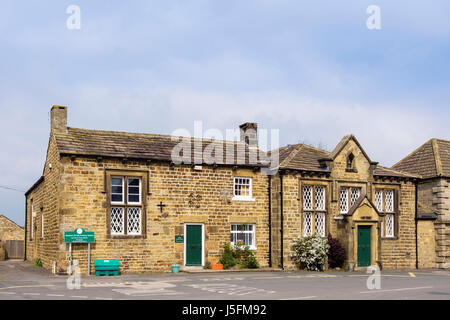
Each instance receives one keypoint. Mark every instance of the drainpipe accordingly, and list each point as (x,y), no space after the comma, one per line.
(270,220)
(416,183)
(281,219)
(25,228)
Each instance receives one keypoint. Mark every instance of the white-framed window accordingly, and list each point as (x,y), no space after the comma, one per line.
(126,205)
(243,234)
(242,189)
(385,203)
(32,221)
(347,198)
(314,210)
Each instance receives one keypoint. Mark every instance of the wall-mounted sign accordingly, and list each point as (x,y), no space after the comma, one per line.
(179,238)
(79,235)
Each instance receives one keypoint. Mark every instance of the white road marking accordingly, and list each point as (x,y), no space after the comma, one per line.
(31,294)
(100,298)
(400,289)
(412,275)
(230,289)
(54,295)
(7,292)
(300,298)
(33,286)
(81,297)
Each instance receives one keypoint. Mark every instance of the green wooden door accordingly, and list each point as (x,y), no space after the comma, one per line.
(364,251)
(193,245)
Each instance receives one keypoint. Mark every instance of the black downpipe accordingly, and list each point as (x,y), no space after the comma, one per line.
(416,221)
(25,228)
(270,221)
(281,220)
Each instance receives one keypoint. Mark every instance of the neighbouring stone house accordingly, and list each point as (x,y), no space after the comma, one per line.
(129,190)
(369,208)
(432,162)
(9,230)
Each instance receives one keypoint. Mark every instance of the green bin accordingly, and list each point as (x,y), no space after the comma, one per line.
(107,267)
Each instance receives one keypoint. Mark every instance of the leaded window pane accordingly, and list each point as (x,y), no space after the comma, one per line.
(307,198)
(320,198)
(134,220)
(355,193)
(389,225)
(117,220)
(343,200)
(379,200)
(389,200)
(307,224)
(320,223)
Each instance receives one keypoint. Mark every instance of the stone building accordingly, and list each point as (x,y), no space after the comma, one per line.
(138,196)
(369,208)
(9,230)
(157,200)
(432,162)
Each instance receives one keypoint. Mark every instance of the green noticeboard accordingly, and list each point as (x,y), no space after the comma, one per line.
(79,235)
(179,238)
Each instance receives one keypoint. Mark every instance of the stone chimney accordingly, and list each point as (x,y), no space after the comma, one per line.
(249,133)
(58,119)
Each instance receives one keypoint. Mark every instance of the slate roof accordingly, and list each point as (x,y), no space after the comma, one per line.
(432,159)
(303,157)
(145,146)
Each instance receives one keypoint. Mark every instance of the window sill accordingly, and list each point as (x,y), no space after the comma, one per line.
(125,236)
(389,238)
(243,199)
(253,248)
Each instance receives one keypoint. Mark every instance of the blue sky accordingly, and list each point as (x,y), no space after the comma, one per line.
(309,68)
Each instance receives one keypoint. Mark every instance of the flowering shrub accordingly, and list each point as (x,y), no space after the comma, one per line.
(336,254)
(310,252)
(238,255)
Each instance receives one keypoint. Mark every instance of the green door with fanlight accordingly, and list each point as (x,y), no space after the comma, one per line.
(364,250)
(193,245)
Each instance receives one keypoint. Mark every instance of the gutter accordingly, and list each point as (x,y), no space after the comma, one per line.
(25,228)
(281,220)
(270,220)
(416,221)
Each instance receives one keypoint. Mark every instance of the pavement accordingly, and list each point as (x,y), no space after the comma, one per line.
(20,280)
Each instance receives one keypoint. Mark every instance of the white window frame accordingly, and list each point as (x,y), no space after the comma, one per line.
(126,205)
(123,190)
(249,197)
(348,198)
(253,232)
(390,233)
(140,191)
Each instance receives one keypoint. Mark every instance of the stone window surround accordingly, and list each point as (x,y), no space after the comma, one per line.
(144,176)
(314,184)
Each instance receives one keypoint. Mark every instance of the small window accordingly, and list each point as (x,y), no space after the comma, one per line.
(350,159)
(242,188)
(243,235)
